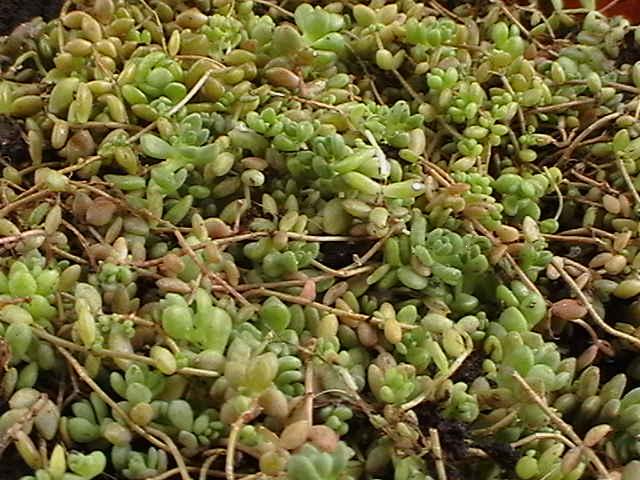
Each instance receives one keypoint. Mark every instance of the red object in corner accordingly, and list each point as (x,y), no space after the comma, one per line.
(627,8)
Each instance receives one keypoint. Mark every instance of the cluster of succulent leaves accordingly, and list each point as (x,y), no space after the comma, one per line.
(321,241)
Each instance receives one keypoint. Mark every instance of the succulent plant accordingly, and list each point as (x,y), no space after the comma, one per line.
(322,240)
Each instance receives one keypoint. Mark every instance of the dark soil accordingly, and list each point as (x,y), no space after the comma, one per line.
(452,435)
(630,52)
(470,369)
(12,467)
(501,453)
(455,442)
(12,147)
(15,12)
(339,255)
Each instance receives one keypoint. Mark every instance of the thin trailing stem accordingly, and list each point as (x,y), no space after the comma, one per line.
(32,197)
(601,122)
(206,465)
(342,314)
(309,390)
(177,107)
(441,377)
(173,449)
(562,106)
(215,278)
(21,236)
(156,18)
(84,376)
(628,180)
(276,7)
(536,437)
(106,353)
(526,32)
(558,264)
(496,427)
(564,427)
(243,419)
(436,449)
(8,436)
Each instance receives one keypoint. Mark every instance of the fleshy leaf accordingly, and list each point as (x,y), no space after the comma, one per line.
(87,466)
(155,147)
(316,23)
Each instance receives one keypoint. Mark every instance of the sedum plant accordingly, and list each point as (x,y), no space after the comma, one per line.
(322,240)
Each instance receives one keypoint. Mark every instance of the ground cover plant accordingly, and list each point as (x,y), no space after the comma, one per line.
(320,241)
